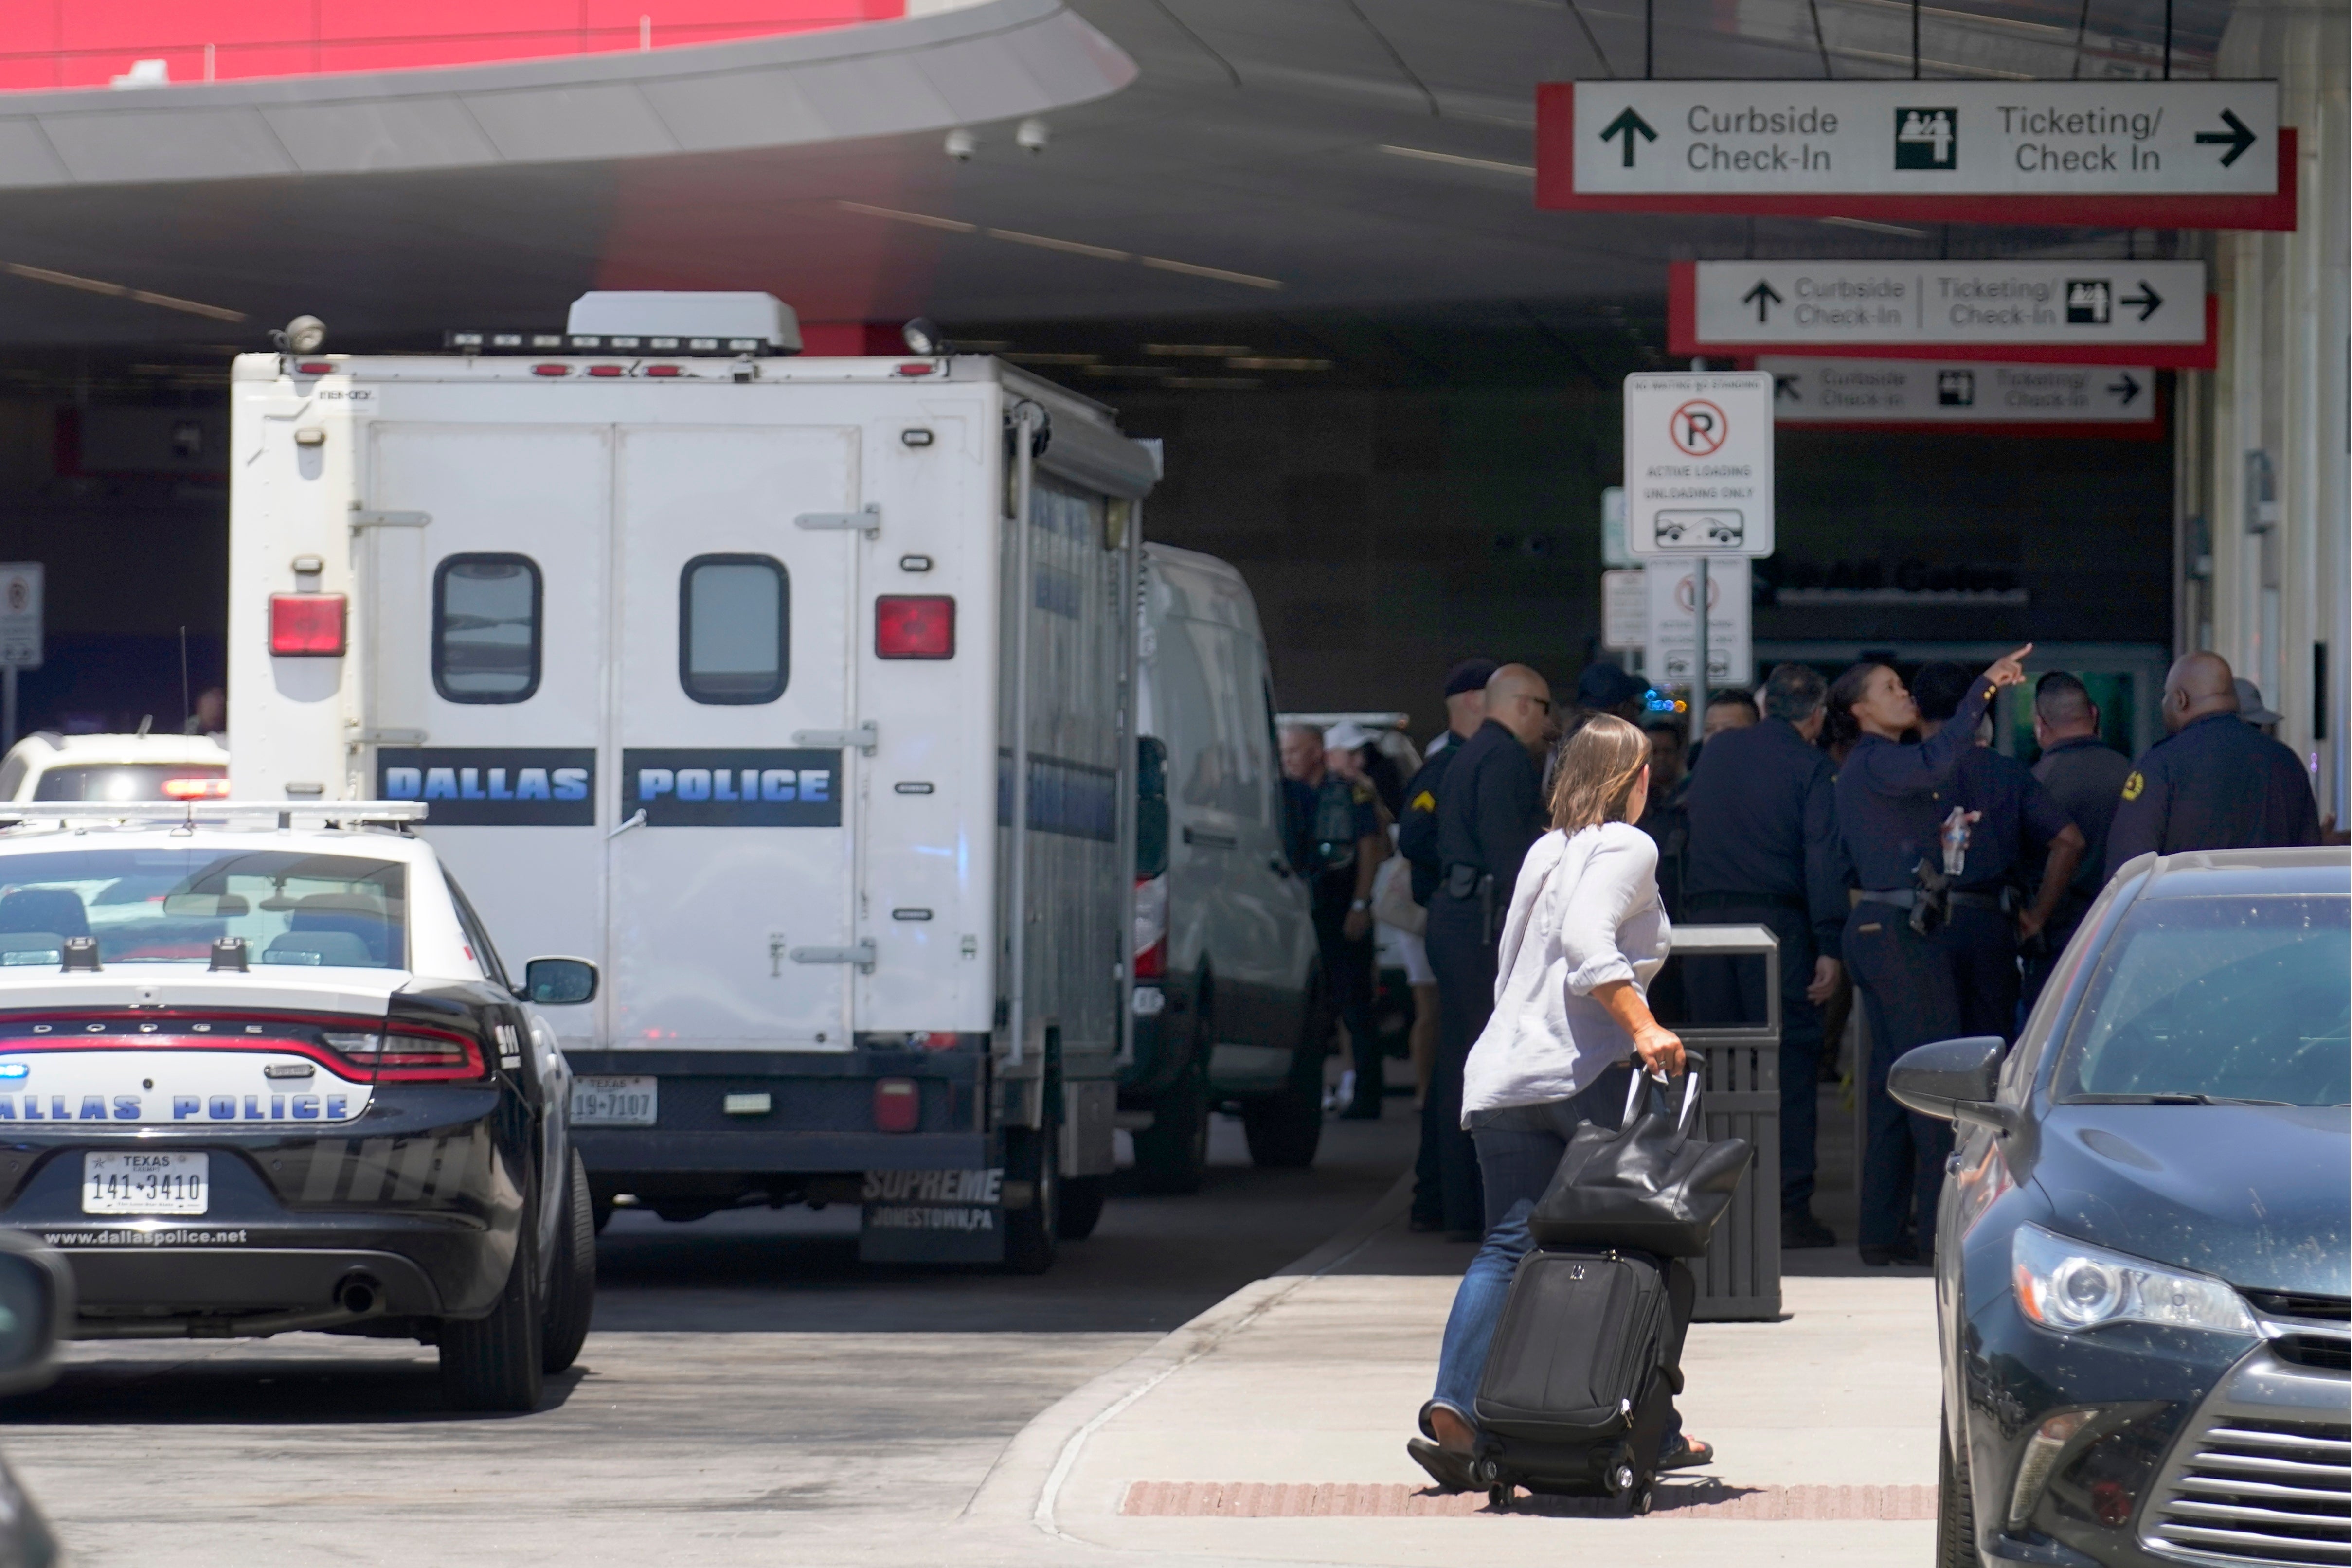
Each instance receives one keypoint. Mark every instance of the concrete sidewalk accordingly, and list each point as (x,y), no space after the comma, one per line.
(1272,1429)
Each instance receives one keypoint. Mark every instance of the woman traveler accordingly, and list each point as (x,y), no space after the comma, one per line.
(1585,934)
(1893,803)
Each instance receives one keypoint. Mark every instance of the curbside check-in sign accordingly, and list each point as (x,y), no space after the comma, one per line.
(2158,154)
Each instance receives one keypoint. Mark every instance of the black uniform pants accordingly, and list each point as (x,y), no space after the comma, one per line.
(1911,987)
(1464,962)
(1731,990)
(1347,969)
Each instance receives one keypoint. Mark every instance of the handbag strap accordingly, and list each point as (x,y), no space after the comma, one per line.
(1634,1095)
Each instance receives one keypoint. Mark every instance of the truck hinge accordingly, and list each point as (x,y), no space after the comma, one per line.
(355,735)
(366,519)
(867,522)
(865,738)
(862,954)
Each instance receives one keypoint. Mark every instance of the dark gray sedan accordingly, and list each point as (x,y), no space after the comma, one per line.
(2142,1251)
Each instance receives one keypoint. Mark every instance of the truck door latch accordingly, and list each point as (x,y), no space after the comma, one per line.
(867,522)
(861,955)
(864,737)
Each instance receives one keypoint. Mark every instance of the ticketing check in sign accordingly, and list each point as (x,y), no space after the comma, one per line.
(2147,154)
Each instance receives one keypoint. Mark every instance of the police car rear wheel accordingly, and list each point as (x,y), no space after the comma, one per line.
(493,1363)
(573,1300)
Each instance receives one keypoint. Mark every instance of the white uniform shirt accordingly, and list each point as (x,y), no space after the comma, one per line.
(1585,912)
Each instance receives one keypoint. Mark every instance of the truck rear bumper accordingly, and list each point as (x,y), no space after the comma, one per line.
(616,1151)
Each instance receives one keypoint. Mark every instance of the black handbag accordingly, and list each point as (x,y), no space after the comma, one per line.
(1648,1185)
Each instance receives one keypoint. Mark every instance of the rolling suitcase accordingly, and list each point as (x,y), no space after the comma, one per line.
(1580,1379)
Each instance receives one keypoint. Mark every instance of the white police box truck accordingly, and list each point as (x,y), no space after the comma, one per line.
(730,670)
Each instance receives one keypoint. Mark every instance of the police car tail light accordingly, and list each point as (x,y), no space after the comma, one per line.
(1151,927)
(410,1056)
(307,625)
(897,1105)
(196,788)
(914,626)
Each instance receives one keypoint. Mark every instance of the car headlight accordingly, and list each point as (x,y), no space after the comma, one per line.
(2066,1284)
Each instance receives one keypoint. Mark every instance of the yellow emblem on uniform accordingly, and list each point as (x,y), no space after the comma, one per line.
(2133,784)
(1425,802)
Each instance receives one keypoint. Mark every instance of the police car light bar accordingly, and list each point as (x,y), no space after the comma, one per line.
(269,813)
(501,342)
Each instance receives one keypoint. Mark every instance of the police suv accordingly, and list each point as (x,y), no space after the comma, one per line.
(262,1071)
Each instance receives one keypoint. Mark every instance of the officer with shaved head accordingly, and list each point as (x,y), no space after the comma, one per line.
(2214,783)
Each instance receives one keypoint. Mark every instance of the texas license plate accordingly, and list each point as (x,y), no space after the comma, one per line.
(606,1101)
(145,1184)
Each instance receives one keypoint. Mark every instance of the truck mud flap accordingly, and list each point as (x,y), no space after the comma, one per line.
(932,1217)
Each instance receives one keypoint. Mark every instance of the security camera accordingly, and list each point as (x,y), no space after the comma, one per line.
(961,145)
(1031,135)
(302,335)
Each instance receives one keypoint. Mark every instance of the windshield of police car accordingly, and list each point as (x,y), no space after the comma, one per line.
(2224,999)
(168,905)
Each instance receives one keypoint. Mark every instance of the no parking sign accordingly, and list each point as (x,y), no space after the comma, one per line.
(1698,464)
(20,615)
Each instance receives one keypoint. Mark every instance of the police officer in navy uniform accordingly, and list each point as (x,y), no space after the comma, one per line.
(1764,852)
(2215,782)
(2086,776)
(1990,916)
(1345,844)
(1490,813)
(1465,710)
(1892,801)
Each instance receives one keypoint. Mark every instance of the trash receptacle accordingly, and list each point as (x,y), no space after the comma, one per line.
(1740,1278)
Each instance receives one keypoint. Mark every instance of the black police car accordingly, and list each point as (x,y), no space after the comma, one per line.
(257,1079)
(2141,1259)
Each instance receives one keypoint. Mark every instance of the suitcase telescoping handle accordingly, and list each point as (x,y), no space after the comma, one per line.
(1633,1096)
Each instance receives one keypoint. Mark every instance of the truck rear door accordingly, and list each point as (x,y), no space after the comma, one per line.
(731,921)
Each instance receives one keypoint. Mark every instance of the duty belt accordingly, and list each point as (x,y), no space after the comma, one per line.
(1908,898)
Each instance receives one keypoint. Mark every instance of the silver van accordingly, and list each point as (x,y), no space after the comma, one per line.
(1228,994)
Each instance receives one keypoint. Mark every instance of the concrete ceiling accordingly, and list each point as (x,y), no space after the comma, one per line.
(1271,158)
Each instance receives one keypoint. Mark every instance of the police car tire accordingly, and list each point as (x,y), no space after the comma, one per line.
(492,1362)
(1032,1231)
(571,1299)
(1082,1207)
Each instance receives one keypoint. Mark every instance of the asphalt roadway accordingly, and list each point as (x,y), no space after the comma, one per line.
(751,1393)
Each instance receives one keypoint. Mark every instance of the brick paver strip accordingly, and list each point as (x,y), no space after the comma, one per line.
(1343,1500)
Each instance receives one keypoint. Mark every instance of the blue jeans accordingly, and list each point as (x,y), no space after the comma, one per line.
(1518,1149)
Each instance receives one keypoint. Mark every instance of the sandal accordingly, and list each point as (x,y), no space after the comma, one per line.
(1690,1455)
(1449,1467)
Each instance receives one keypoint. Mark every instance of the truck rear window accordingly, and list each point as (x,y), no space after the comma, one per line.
(486,628)
(733,629)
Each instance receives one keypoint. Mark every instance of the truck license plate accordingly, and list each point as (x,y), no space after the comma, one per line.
(605,1102)
(145,1184)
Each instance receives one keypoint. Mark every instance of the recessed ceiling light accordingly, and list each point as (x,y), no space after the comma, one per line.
(1052,358)
(1251,363)
(1490,165)
(1126,369)
(1878,227)
(1211,383)
(1197,350)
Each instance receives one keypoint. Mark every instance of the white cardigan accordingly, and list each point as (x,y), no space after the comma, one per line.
(1585,912)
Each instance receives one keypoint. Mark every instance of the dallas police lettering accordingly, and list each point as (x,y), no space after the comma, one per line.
(76,1107)
(543,786)
(721,788)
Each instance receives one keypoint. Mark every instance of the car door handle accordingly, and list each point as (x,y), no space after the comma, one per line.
(1208,840)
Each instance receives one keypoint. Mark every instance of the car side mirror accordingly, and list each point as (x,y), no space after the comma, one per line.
(559,982)
(37,1309)
(1955,1080)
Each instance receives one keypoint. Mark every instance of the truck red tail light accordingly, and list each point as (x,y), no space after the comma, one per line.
(1151,927)
(897,1105)
(307,625)
(914,626)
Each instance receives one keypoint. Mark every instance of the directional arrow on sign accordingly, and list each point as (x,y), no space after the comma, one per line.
(1764,297)
(2147,299)
(1629,125)
(2237,139)
(1785,386)
(2126,389)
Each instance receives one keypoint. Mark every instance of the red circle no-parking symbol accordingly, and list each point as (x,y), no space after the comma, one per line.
(1698,427)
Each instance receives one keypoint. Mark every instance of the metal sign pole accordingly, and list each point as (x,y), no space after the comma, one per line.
(1698,659)
(8,707)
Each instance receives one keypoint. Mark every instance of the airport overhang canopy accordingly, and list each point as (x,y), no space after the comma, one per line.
(1199,157)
